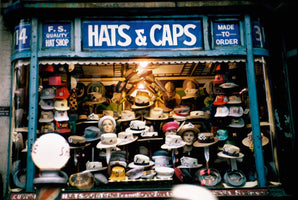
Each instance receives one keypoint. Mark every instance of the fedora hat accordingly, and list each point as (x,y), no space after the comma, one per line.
(141,160)
(205,139)
(230,151)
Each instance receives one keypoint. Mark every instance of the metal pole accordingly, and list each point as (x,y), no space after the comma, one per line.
(253,104)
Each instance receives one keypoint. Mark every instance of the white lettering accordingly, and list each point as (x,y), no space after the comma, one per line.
(92,35)
(166,35)
(225,27)
(177,32)
(192,37)
(152,35)
(127,41)
(113,34)
(104,36)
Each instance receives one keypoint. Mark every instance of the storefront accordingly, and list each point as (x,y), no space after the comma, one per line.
(200,74)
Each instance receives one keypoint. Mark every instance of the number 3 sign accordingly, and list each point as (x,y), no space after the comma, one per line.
(50,152)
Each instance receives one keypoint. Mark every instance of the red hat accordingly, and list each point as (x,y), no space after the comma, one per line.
(220,100)
(56,80)
(170,126)
(62,93)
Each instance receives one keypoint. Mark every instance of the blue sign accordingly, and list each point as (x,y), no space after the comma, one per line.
(226,34)
(142,35)
(56,35)
(258,35)
(22,37)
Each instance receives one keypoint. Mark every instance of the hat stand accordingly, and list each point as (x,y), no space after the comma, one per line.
(207,156)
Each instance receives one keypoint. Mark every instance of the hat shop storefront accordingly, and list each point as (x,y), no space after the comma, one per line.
(142,105)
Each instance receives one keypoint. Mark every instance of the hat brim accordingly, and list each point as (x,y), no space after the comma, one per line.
(128,142)
(133,165)
(249,143)
(165,146)
(141,107)
(192,167)
(127,120)
(105,146)
(199,144)
(221,154)
(136,132)
(149,139)
(95,170)
(164,117)
(91,139)
(78,147)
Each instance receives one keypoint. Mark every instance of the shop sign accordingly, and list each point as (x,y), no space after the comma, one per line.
(22,36)
(258,35)
(56,35)
(226,34)
(142,35)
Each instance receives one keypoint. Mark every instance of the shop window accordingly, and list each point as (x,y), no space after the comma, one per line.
(155,123)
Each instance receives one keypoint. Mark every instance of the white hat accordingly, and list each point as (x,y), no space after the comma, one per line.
(236,111)
(61,116)
(164,172)
(173,142)
(222,111)
(137,127)
(61,105)
(108,140)
(127,115)
(140,160)
(156,114)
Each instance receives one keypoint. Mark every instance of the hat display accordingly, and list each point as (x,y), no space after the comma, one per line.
(46,104)
(127,115)
(173,142)
(61,105)
(164,172)
(222,111)
(62,93)
(82,180)
(205,139)
(156,114)
(61,116)
(92,117)
(46,116)
(218,79)
(96,97)
(47,93)
(209,177)
(248,141)
(91,133)
(170,126)
(188,162)
(137,127)
(108,140)
(126,138)
(188,127)
(141,160)
(118,173)
(230,151)
(234,178)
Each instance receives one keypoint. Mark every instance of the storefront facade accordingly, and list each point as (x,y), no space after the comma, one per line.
(206,71)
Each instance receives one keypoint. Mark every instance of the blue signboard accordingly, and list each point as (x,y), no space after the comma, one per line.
(226,34)
(258,35)
(142,35)
(56,35)
(22,37)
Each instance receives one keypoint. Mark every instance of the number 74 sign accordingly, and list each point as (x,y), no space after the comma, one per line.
(22,37)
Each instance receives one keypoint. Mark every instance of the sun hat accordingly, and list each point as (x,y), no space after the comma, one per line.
(142,101)
(156,113)
(82,180)
(91,133)
(61,105)
(137,127)
(47,93)
(188,127)
(222,111)
(126,138)
(173,142)
(248,141)
(127,115)
(208,177)
(220,100)
(62,93)
(189,162)
(230,151)
(118,173)
(170,126)
(205,139)
(141,160)
(234,178)
(108,140)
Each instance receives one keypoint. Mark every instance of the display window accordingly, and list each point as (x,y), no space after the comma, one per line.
(150,122)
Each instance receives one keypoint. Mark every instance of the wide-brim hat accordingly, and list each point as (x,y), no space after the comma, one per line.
(164,117)
(100,145)
(188,127)
(134,106)
(208,177)
(137,131)
(166,146)
(189,163)
(234,178)
(201,144)
(125,142)
(248,141)
(223,155)
(133,165)
(91,134)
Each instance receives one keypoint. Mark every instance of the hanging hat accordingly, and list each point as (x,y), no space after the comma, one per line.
(118,173)
(205,139)
(208,177)
(46,116)
(61,116)
(126,138)
(141,160)
(235,111)
(248,141)
(230,151)
(235,178)
(220,100)
(234,99)
(108,140)
(170,126)
(156,113)
(173,142)
(237,123)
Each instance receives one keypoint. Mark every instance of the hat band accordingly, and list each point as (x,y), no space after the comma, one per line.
(231,154)
(142,104)
(181,114)
(147,163)
(137,129)
(206,141)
